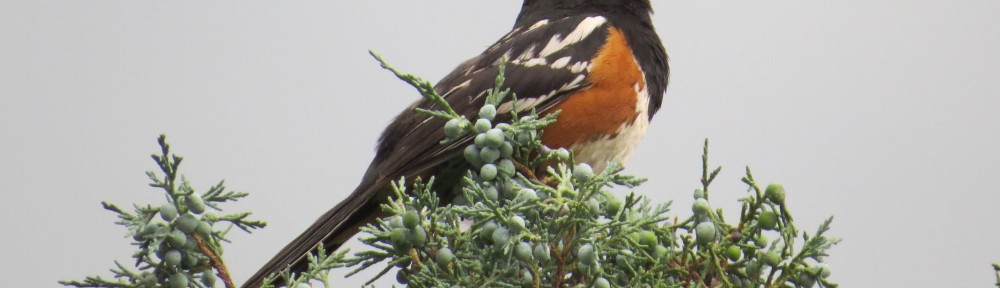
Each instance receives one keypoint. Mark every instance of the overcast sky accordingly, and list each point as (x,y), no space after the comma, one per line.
(882,113)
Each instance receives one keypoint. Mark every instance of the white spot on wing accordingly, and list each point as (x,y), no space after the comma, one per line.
(562,62)
(535,62)
(506,55)
(521,104)
(584,29)
(524,104)
(538,24)
(527,54)
(459,86)
(510,34)
(579,67)
(575,83)
(480,95)
(424,122)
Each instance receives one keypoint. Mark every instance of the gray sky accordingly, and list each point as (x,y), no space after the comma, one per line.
(882,113)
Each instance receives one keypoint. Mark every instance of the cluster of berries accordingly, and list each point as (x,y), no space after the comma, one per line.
(491,150)
(172,241)
(407,232)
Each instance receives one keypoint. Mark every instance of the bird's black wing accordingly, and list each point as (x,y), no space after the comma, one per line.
(547,61)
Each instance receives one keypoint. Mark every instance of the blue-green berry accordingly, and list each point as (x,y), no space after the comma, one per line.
(195,203)
(601,282)
(612,205)
(507,168)
(562,154)
(706,232)
(444,256)
(480,140)
(418,236)
(488,172)
(734,252)
(761,240)
(208,278)
(660,252)
(594,206)
(471,154)
(488,111)
(767,219)
(811,270)
(541,252)
(772,258)
(189,262)
(398,236)
(701,206)
(500,236)
(173,257)
(189,243)
(775,193)
(177,238)
(526,278)
(517,222)
(491,193)
(824,270)
(187,222)
(454,128)
(150,228)
(411,219)
(647,239)
(486,232)
(178,280)
(147,279)
(699,194)
(204,229)
(489,154)
(395,221)
(168,212)
(526,195)
(511,189)
(494,138)
(586,254)
(583,171)
(483,125)
(805,280)
(506,150)
(583,267)
(523,252)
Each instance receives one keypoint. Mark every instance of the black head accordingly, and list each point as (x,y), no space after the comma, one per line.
(535,10)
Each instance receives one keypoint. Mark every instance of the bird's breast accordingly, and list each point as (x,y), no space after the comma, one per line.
(606,120)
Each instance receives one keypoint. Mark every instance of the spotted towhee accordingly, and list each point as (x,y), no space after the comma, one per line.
(598,61)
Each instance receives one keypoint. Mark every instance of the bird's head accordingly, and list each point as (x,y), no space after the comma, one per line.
(536,10)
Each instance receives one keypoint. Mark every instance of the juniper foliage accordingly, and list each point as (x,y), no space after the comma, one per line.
(524,216)
(178,243)
(565,228)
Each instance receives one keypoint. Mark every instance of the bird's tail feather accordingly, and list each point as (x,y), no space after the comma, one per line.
(333,228)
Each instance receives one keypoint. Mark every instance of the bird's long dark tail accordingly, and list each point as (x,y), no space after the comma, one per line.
(333,228)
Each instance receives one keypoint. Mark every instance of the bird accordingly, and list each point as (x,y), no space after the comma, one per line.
(600,63)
